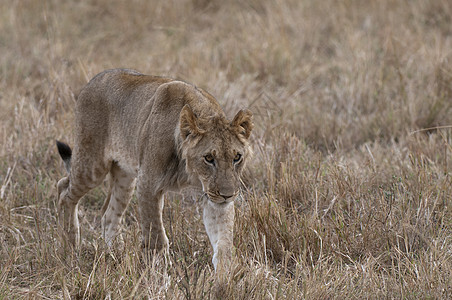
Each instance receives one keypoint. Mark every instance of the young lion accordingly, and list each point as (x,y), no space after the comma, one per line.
(162,135)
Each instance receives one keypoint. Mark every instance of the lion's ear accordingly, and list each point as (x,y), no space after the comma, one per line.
(243,122)
(187,122)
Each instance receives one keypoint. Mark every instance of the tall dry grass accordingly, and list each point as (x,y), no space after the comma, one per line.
(346,198)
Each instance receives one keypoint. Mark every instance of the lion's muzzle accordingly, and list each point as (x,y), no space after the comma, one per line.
(219,198)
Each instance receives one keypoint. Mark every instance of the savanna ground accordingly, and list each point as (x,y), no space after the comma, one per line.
(347,196)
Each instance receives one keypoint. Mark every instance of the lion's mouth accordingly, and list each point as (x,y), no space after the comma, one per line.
(218,199)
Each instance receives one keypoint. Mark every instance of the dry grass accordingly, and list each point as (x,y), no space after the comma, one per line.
(343,201)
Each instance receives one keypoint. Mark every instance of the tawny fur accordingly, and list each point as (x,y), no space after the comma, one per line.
(158,134)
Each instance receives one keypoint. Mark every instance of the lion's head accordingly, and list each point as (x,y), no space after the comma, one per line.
(215,151)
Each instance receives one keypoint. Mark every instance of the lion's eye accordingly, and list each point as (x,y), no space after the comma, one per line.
(209,158)
(237,157)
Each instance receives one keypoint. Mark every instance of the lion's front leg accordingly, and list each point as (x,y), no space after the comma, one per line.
(151,221)
(219,223)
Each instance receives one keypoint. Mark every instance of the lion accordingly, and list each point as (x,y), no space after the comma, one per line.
(156,134)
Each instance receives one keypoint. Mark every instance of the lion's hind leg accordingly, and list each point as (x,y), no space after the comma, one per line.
(86,172)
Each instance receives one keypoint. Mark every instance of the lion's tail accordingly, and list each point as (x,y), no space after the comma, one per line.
(65,153)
